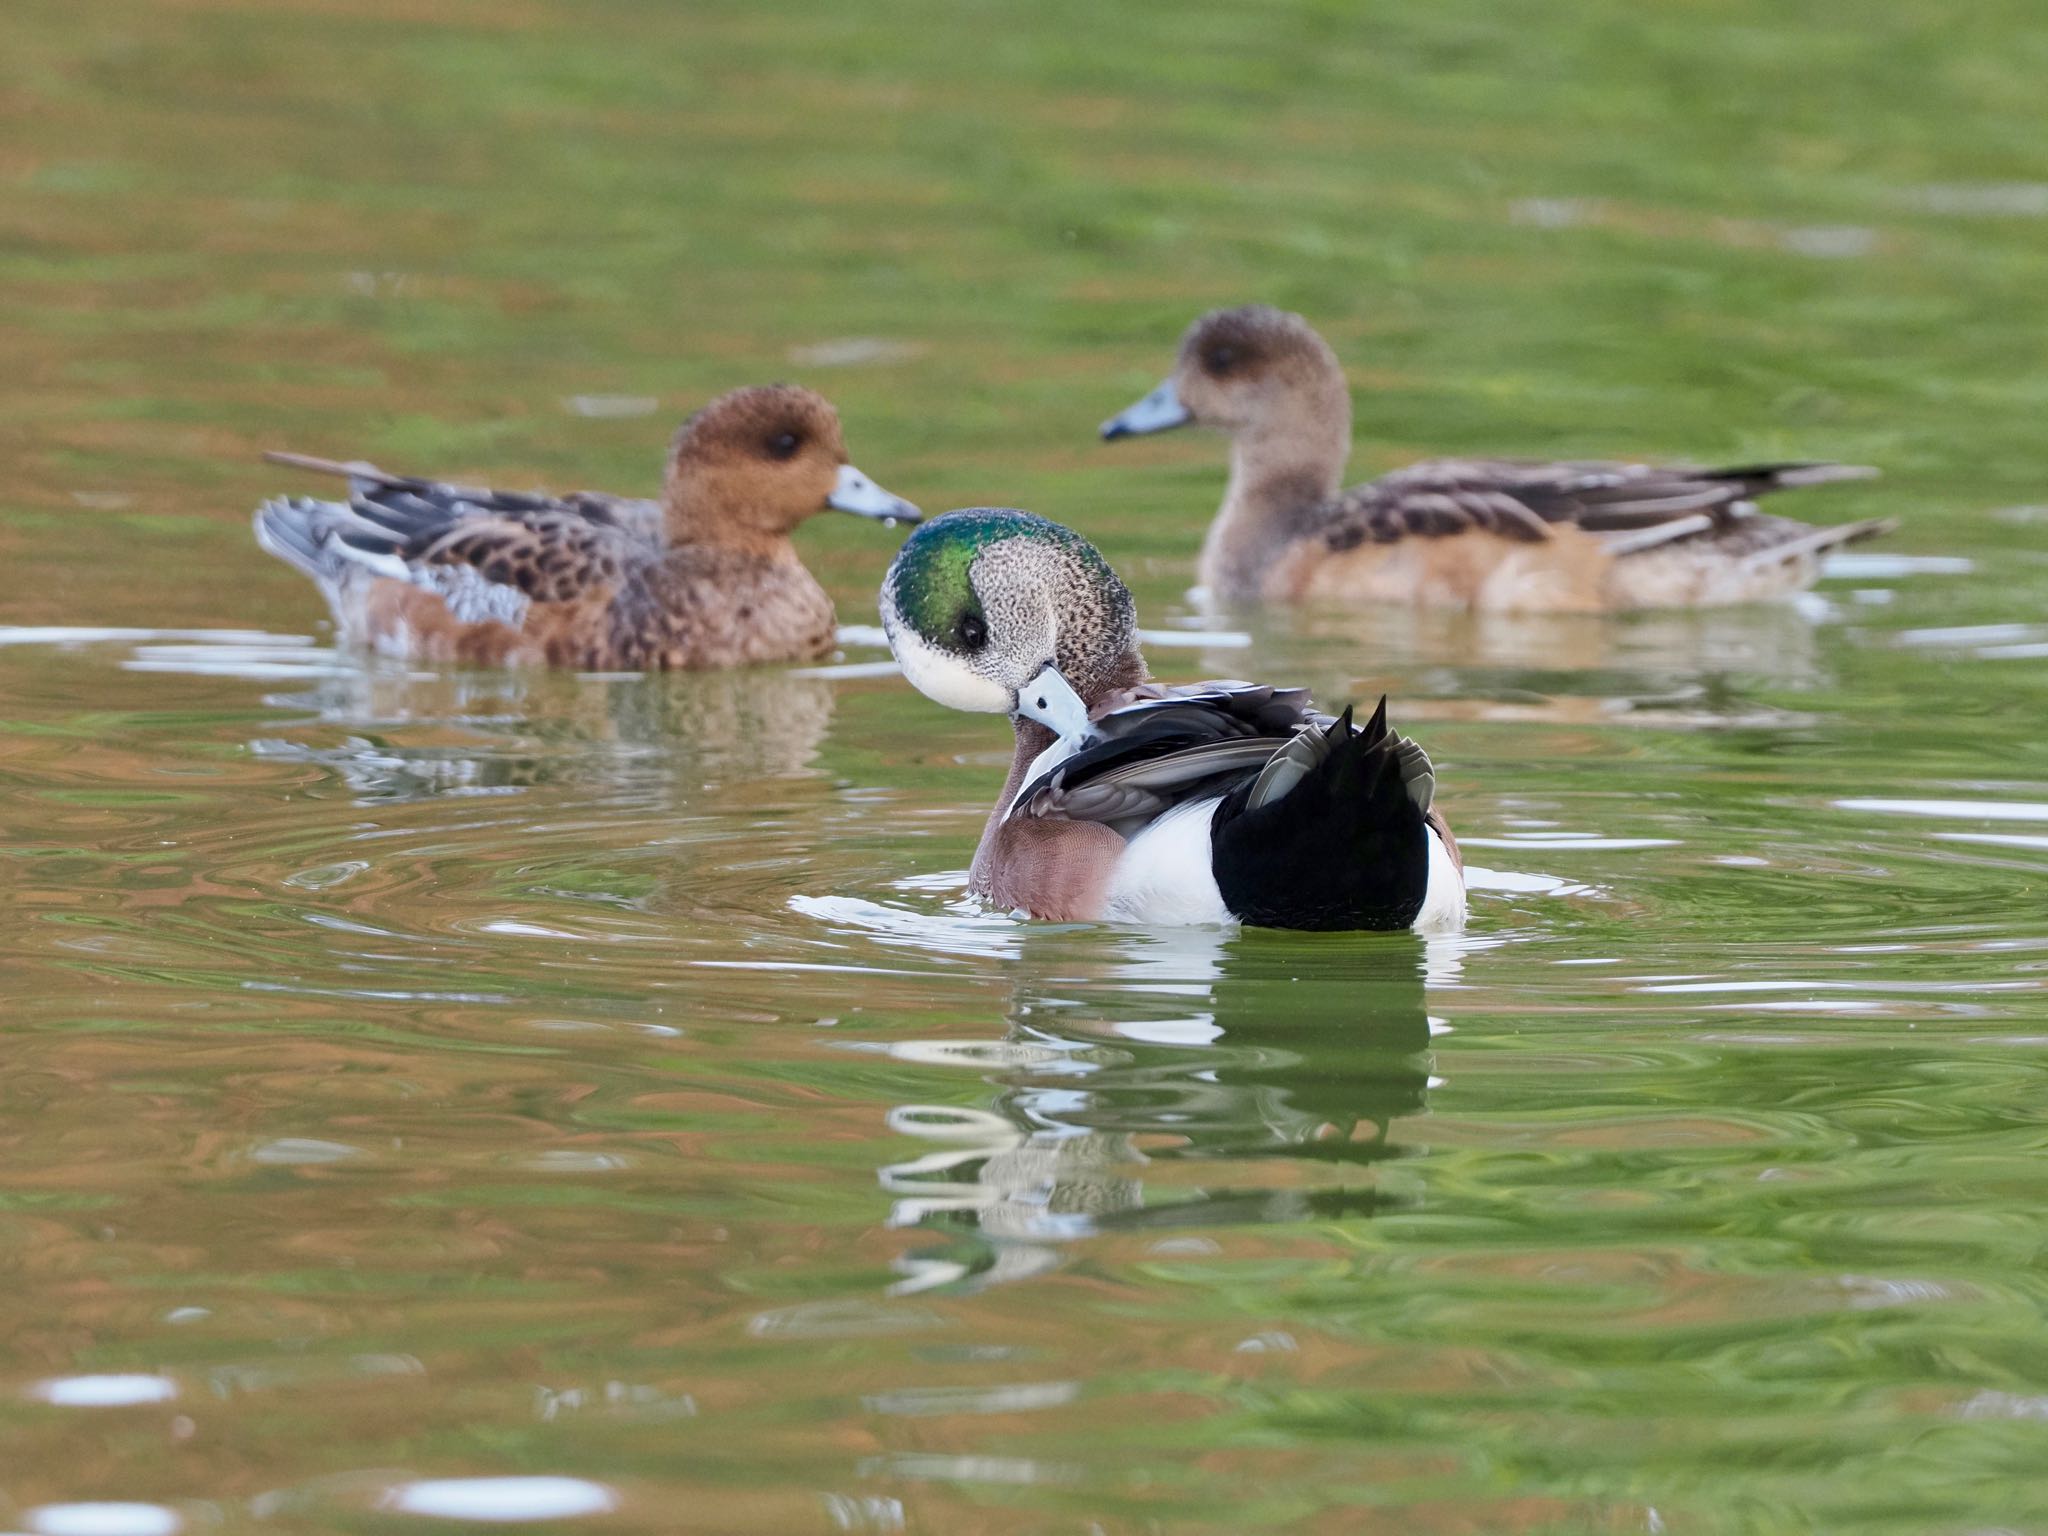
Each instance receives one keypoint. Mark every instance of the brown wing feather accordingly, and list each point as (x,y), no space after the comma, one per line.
(1525,500)
(553,557)
(550,548)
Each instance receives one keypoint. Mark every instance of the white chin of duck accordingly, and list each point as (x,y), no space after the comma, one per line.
(1165,877)
(945,679)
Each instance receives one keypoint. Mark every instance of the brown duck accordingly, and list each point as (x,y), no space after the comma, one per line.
(1513,535)
(704,577)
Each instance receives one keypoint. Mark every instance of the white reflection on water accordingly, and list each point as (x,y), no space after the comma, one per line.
(853,1318)
(71,635)
(1987,642)
(1013,1397)
(965,929)
(292,1151)
(502,1499)
(1993,839)
(247,653)
(1571,842)
(257,663)
(1510,882)
(104,1519)
(1006,1470)
(1205,1048)
(1962,810)
(868,1512)
(110,1391)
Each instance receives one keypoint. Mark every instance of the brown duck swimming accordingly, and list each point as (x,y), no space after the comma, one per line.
(1514,535)
(704,577)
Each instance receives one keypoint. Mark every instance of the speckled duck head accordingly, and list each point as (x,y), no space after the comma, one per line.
(996,610)
(1239,370)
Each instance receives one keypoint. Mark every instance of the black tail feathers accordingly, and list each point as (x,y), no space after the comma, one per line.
(1330,835)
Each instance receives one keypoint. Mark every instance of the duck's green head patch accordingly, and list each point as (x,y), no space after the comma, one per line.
(930,585)
(980,599)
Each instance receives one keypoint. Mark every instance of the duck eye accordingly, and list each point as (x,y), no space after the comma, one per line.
(783,445)
(1220,359)
(972,630)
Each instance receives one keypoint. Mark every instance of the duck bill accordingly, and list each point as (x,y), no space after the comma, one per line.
(854,492)
(1160,411)
(1050,700)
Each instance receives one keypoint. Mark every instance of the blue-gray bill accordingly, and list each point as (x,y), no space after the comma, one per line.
(854,492)
(1050,700)
(1160,411)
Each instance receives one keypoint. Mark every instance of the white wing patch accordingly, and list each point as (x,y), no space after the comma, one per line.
(471,597)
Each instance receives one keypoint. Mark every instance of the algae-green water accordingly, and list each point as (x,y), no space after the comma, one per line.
(430,1097)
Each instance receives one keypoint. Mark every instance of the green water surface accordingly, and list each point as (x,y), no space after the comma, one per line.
(412,1076)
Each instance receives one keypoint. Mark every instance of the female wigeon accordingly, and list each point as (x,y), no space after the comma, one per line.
(705,577)
(1508,534)
(1135,802)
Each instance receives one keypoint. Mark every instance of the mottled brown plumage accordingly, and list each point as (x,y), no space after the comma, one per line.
(705,577)
(1505,534)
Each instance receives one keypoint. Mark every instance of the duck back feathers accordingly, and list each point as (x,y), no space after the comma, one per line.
(1300,819)
(1147,757)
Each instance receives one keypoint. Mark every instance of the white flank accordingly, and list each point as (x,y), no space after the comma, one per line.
(1166,875)
(1443,902)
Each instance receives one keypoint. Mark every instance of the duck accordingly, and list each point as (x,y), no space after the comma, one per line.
(1132,801)
(706,577)
(1512,535)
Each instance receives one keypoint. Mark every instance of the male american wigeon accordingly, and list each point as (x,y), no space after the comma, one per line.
(704,577)
(1131,801)
(1508,534)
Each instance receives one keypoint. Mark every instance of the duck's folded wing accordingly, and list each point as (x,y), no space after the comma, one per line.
(1629,507)
(486,553)
(547,548)
(1145,758)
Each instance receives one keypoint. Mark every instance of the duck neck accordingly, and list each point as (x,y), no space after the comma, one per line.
(1101,694)
(726,512)
(729,533)
(1285,470)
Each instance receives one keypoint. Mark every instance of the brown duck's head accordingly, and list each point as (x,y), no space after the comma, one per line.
(760,460)
(1238,369)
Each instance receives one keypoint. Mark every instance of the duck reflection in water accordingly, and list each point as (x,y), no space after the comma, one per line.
(634,738)
(1206,1050)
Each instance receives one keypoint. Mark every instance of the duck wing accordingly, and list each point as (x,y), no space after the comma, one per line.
(1629,507)
(487,553)
(1140,761)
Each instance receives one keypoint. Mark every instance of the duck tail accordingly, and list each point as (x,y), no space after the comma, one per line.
(326,540)
(1762,479)
(1330,833)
